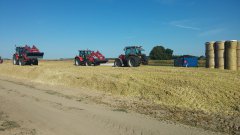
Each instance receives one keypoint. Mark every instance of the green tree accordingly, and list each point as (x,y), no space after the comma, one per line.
(160,53)
(201,58)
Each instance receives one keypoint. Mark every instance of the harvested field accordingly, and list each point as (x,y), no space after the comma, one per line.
(207,98)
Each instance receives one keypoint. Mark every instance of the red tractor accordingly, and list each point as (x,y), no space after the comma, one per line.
(1,60)
(27,55)
(89,58)
(133,57)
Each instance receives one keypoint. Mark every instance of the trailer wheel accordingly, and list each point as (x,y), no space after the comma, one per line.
(133,61)
(77,62)
(118,63)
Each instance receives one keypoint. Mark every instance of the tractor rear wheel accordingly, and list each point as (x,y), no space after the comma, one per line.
(118,63)
(133,61)
(77,62)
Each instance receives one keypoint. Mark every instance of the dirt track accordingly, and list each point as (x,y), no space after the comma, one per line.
(36,111)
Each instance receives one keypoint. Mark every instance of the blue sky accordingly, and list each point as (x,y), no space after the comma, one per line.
(61,27)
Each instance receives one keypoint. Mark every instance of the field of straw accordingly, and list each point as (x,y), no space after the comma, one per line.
(208,98)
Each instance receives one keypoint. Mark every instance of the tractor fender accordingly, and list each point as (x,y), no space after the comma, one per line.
(122,57)
(16,56)
(121,60)
(80,58)
(91,59)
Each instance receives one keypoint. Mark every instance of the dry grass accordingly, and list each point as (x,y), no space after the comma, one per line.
(194,89)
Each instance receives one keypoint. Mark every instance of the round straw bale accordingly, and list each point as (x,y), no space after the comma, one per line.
(231,55)
(209,54)
(219,54)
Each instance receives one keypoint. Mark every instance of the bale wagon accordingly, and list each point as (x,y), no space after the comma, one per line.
(26,55)
(89,58)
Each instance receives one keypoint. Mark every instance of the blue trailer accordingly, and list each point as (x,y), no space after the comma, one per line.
(186,61)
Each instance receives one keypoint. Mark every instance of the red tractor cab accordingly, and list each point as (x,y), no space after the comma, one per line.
(89,58)
(27,55)
(133,57)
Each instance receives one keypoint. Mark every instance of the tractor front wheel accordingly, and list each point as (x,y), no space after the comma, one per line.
(15,61)
(118,63)
(88,63)
(77,62)
(133,61)
(21,62)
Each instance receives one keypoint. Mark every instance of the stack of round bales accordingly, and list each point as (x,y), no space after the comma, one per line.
(210,54)
(219,54)
(238,55)
(231,55)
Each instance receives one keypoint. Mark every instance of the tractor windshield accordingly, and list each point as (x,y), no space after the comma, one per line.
(84,53)
(88,52)
(19,50)
(133,51)
(138,50)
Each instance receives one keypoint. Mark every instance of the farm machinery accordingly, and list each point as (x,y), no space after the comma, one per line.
(89,58)
(27,55)
(133,57)
(1,60)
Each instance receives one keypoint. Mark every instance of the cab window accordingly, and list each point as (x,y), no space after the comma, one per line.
(128,51)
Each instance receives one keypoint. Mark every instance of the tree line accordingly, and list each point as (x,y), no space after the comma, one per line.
(161,53)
